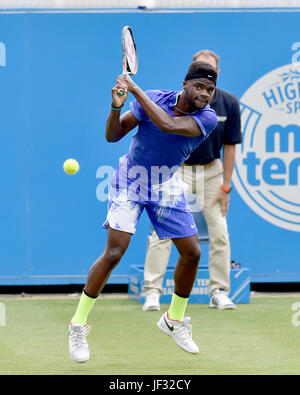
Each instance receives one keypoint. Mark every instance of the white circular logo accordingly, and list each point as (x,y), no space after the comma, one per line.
(267,169)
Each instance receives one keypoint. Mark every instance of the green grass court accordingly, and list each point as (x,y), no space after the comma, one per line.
(258,339)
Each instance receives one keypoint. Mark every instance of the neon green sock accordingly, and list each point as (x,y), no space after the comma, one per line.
(84,307)
(177,307)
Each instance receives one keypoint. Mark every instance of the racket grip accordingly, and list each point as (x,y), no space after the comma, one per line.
(121,92)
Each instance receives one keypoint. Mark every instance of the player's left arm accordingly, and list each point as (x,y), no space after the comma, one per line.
(184,126)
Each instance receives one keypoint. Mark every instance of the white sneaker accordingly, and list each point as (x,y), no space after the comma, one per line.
(78,347)
(181,332)
(219,300)
(152,300)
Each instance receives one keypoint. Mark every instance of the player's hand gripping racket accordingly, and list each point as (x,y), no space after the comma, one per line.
(130,60)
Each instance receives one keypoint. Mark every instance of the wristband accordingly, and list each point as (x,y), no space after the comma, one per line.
(116,108)
(226,189)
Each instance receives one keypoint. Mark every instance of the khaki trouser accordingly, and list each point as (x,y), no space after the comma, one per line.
(204,183)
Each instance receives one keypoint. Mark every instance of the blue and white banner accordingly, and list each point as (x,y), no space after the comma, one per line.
(267,171)
(56,74)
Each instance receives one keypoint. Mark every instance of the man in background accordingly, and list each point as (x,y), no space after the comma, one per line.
(214,176)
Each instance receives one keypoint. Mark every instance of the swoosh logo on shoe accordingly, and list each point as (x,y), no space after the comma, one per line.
(171,328)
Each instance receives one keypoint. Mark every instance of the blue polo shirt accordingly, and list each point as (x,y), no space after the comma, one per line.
(152,147)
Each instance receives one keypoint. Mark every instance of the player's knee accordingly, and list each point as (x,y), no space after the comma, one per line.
(114,255)
(193,255)
(197,254)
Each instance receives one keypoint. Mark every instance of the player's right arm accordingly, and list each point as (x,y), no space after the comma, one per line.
(184,126)
(118,126)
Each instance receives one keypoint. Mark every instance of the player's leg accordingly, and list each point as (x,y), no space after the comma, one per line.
(184,274)
(188,247)
(173,322)
(171,218)
(117,243)
(158,250)
(121,222)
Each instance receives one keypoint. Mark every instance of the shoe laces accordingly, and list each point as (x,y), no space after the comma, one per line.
(78,335)
(185,328)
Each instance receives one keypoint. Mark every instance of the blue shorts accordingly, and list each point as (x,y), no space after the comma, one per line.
(165,204)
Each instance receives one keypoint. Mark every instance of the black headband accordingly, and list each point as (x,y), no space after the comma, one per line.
(201,74)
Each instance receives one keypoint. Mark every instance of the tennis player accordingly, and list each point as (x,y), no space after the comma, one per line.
(214,176)
(171,124)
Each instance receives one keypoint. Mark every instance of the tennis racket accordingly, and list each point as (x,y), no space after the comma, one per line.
(130,60)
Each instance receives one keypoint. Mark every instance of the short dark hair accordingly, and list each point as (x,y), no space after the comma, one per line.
(201,69)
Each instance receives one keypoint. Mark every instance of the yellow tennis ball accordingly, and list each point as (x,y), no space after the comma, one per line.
(71,166)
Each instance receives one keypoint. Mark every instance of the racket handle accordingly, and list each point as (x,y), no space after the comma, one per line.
(121,92)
